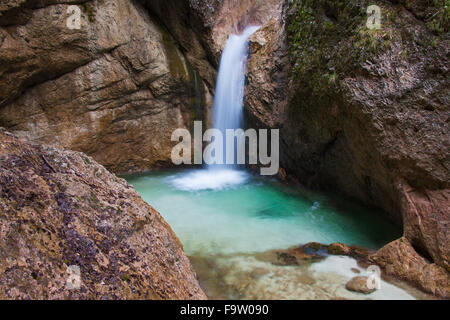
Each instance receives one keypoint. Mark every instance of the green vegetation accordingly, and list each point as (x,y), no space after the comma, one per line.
(88,9)
(302,40)
(438,17)
(176,64)
(197,96)
(126,277)
(330,38)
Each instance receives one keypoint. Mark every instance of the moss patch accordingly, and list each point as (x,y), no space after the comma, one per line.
(89,10)
(328,39)
(176,64)
(438,15)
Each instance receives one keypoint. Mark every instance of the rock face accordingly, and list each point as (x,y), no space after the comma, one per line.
(202,27)
(363,112)
(59,209)
(399,258)
(115,89)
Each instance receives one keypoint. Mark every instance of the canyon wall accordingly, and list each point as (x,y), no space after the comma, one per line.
(115,89)
(59,209)
(364,113)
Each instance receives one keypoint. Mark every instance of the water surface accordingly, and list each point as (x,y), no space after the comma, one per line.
(230,211)
(228,219)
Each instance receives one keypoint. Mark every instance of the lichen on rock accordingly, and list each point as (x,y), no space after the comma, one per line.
(60,209)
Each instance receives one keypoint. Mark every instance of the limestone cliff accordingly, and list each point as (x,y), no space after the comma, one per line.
(115,89)
(59,209)
(364,113)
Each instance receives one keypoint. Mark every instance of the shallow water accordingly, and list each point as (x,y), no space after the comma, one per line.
(226,217)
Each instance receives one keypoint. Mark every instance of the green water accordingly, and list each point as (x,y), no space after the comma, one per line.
(252,214)
(229,221)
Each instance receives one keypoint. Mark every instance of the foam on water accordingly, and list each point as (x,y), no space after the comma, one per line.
(223,226)
(213,179)
(230,211)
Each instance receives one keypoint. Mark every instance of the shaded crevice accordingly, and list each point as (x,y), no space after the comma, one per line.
(421,251)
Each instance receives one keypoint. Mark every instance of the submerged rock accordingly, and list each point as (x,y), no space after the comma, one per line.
(306,254)
(249,277)
(359,284)
(62,215)
(315,251)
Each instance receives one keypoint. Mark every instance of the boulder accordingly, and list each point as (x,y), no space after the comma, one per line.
(69,229)
(359,284)
(339,249)
(400,259)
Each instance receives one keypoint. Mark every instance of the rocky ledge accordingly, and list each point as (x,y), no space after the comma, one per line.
(60,209)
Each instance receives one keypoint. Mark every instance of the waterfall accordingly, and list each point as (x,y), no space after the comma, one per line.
(228,114)
(228,100)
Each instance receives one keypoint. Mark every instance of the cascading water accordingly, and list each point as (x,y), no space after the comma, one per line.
(228,114)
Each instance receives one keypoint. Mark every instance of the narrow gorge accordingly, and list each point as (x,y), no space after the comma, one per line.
(91,93)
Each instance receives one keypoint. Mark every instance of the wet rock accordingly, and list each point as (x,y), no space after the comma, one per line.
(315,248)
(310,252)
(339,249)
(354,270)
(359,284)
(88,219)
(315,251)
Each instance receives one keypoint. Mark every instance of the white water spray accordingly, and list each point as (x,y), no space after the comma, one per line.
(228,114)
(229,97)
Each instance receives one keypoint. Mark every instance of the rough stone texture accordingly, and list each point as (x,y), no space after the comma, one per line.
(60,208)
(186,22)
(114,89)
(202,26)
(268,77)
(234,16)
(339,249)
(399,258)
(318,251)
(359,284)
(362,112)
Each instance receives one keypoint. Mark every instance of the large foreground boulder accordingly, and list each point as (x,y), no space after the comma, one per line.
(61,211)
